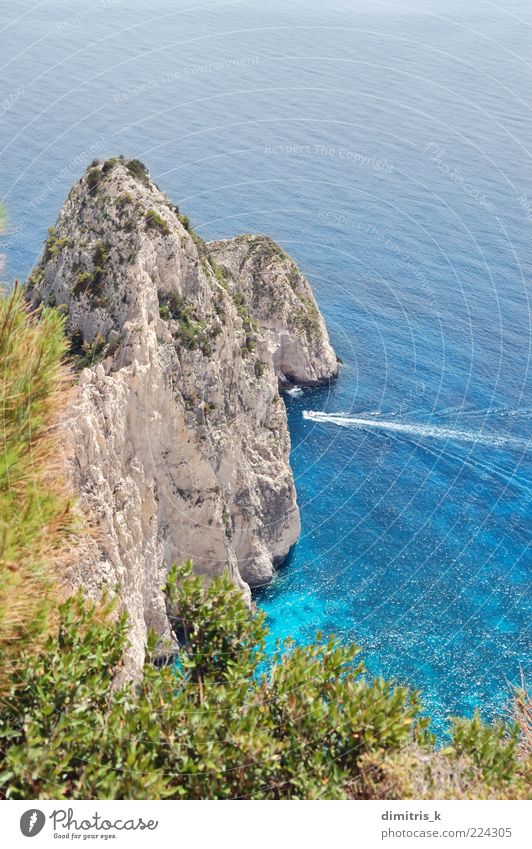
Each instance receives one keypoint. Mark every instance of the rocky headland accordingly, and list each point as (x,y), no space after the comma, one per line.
(176,437)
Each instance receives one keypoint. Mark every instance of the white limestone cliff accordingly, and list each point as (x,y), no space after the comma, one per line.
(176,439)
(281,300)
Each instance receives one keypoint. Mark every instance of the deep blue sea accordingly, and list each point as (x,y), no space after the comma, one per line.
(386,146)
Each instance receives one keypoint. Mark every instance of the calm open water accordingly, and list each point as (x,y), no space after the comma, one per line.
(385,145)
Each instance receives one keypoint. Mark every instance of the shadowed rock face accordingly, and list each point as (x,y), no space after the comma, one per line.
(176,438)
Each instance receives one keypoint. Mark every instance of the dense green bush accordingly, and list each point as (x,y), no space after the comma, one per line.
(191,331)
(90,282)
(155,222)
(100,254)
(219,271)
(109,164)
(198,241)
(217,723)
(54,245)
(94,177)
(138,170)
(213,726)
(100,258)
(493,748)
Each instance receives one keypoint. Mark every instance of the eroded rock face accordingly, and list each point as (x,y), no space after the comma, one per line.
(281,300)
(176,439)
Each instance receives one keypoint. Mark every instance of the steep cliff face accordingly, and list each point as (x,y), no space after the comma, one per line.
(177,438)
(281,300)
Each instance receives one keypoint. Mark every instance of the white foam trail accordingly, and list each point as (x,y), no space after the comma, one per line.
(427,431)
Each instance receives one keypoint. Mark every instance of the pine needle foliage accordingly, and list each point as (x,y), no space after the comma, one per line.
(35,510)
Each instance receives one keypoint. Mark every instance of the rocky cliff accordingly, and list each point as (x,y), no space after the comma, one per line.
(176,438)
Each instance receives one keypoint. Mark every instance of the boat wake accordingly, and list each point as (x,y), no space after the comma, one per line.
(420,430)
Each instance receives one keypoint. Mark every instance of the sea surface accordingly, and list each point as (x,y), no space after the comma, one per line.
(386,146)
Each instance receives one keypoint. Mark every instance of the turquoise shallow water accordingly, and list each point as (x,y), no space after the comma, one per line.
(386,147)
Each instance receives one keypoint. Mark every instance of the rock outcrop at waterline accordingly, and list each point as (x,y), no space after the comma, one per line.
(281,300)
(176,439)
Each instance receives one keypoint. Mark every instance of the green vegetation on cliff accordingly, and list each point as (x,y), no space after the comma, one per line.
(216,726)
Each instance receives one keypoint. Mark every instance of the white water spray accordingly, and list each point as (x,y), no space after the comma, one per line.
(423,431)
